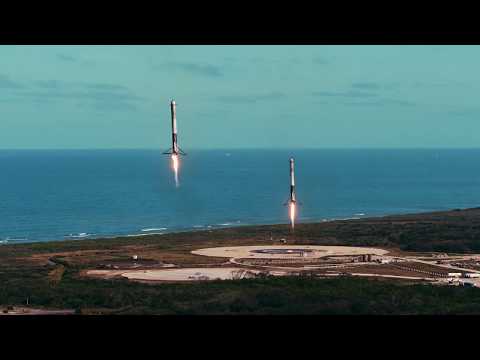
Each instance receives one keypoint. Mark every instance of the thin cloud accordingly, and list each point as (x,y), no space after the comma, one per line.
(98,96)
(196,69)
(467,112)
(57,84)
(48,84)
(67,58)
(399,102)
(320,60)
(107,87)
(347,94)
(74,60)
(102,106)
(53,94)
(382,102)
(7,83)
(239,99)
(365,85)
(421,84)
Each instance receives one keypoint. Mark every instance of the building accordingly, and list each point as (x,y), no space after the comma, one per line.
(472,275)
(454,274)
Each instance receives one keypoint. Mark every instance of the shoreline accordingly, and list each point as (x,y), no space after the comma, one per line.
(220,227)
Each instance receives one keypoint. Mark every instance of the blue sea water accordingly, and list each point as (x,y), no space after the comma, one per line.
(54,195)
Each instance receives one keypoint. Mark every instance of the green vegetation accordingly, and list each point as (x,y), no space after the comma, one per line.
(289,295)
(25,273)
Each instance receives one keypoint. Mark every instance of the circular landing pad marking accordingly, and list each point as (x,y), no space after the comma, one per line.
(283,251)
(287,251)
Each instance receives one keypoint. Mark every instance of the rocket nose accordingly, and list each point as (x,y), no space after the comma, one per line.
(172,102)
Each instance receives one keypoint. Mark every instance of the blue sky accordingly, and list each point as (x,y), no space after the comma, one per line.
(240,96)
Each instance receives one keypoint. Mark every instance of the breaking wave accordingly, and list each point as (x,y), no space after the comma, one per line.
(229,223)
(78,235)
(153,229)
(12,239)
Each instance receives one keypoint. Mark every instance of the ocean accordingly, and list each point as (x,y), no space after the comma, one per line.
(77,194)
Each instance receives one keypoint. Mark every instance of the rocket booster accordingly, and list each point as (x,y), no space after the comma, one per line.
(292,202)
(173,110)
(175,149)
(292,181)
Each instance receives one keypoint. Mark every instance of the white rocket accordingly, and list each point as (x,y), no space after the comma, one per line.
(175,149)
(292,201)
(292,182)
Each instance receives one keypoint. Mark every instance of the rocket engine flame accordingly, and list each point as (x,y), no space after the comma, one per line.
(175,163)
(292,214)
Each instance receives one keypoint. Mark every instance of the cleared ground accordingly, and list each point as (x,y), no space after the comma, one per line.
(287,251)
(32,311)
(186,274)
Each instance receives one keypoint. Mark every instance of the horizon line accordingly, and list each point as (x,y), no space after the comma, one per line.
(245,148)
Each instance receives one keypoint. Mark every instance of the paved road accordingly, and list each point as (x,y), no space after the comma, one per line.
(397,277)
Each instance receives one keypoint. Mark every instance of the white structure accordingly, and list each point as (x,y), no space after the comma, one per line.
(175,149)
(454,274)
(472,275)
